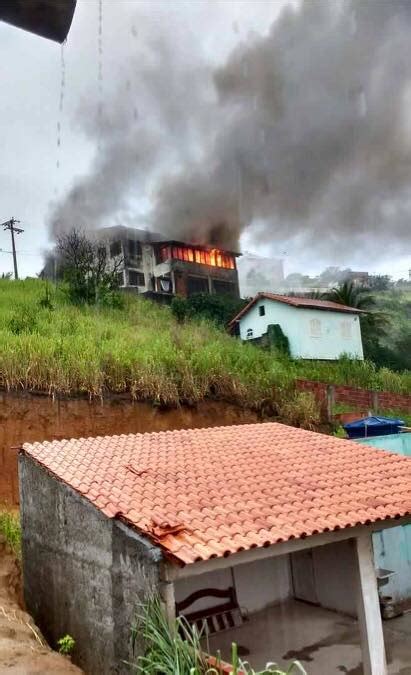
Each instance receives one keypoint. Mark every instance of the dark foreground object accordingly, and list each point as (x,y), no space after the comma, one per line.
(48,18)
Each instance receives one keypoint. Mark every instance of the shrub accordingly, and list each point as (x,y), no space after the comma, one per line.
(278,339)
(217,308)
(302,410)
(179,308)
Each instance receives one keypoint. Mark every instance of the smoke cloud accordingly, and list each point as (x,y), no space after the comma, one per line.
(303,134)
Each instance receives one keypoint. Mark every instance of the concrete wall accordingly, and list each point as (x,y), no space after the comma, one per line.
(258,584)
(335,575)
(312,333)
(329,578)
(84,574)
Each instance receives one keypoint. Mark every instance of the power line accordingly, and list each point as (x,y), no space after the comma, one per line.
(10,225)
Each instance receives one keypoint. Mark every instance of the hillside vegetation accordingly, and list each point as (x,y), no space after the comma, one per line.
(49,345)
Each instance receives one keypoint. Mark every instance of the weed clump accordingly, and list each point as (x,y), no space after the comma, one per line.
(11,531)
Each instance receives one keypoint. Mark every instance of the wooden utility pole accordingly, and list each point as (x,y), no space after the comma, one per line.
(10,225)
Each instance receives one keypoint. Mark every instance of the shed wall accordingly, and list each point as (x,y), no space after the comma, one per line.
(84,573)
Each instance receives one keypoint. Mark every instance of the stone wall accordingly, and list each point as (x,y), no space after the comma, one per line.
(84,574)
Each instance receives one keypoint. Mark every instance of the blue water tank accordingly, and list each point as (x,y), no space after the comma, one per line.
(373,426)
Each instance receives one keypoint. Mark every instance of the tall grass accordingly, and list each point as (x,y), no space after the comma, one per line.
(140,349)
(11,531)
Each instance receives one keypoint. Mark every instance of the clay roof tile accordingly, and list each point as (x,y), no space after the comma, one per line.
(202,493)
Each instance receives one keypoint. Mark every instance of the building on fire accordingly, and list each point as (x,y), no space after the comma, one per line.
(159,266)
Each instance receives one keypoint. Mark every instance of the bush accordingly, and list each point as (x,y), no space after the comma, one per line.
(278,339)
(217,308)
(301,411)
(179,308)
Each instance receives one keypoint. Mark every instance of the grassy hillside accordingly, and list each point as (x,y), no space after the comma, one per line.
(140,349)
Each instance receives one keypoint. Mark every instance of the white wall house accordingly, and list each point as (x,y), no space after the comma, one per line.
(316,329)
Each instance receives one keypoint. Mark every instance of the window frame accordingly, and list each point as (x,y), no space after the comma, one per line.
(139,274)
(315,332)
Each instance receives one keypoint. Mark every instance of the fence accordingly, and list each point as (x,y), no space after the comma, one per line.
(329,394)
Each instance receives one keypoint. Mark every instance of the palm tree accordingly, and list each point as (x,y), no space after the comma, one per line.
(373,322)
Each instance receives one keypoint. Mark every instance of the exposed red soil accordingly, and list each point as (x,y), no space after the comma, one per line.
(25,418)
(23,650)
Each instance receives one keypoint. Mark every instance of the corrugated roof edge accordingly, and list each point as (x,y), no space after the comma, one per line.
(297,301)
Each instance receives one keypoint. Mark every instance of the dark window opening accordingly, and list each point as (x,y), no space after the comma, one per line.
(261,310)
(197,285)
(136,278)
(120,278)
(134,248)
(249,333)
(223,287)
(115,249)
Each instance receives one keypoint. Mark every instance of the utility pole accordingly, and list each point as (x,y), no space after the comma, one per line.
(10,225)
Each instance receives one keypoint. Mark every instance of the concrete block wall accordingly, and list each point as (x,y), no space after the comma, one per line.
(84,574)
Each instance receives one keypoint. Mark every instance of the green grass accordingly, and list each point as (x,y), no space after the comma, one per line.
(10,529)
(363,374)
(141,350)
(178,649)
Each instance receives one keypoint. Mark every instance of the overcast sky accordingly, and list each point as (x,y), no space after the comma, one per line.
(36,174)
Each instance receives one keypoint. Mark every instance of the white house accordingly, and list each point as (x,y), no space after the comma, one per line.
(316,329)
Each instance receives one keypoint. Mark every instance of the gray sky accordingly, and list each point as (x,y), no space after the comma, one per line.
(203,34)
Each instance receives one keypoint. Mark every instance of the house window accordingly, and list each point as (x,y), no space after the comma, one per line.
(115,249)
(249,333)
(346,329)
(315,328)
(120,278)
(136,278)
(223,287)
(197,285)
(134,248)
(261,310)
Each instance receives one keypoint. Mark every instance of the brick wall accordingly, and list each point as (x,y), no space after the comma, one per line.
(361,398)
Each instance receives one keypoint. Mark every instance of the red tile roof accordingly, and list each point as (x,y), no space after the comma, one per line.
(308,303)
(203,493)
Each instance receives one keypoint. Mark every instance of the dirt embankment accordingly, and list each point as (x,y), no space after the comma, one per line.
(25,419)
(23,650)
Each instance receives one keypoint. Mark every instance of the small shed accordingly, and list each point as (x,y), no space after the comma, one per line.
(228,524)
(316,329)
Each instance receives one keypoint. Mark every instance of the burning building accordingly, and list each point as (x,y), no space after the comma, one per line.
(159,267)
